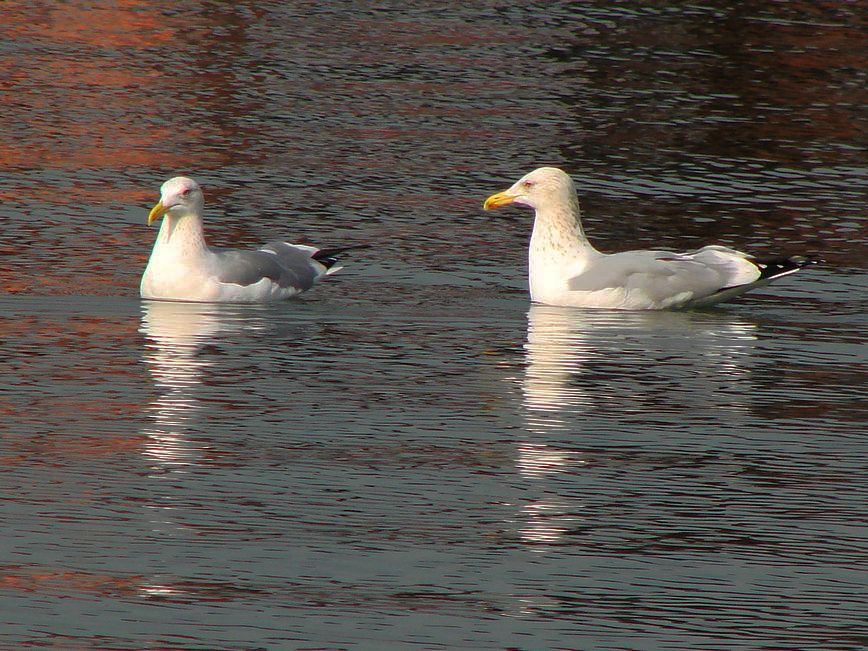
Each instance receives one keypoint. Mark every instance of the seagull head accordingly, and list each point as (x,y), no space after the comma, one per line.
(544,186)
(179,196)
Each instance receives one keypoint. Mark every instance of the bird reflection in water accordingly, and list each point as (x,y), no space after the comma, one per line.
(176,333)
(182,356)
(592,369)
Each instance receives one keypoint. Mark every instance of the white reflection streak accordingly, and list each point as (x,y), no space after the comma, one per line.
(156,590)
(704,354)
(175,333)
(553,357)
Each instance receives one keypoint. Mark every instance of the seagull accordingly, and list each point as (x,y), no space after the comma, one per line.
(565,269)
(183,267)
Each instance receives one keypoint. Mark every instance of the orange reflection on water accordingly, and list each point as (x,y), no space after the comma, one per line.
(43,579)
(87,97)
(121,23)
(49,580)
(60,447)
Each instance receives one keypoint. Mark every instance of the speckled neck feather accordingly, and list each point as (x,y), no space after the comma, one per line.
(557,231)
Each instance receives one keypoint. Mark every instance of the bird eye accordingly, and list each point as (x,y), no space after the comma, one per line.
(528,184)
(185,192)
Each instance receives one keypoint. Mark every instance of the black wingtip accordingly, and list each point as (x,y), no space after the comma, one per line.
(774,267)
(329,257)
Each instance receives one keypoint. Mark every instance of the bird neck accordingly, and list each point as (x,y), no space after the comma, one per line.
(558,234)
(558,250)
(183,233)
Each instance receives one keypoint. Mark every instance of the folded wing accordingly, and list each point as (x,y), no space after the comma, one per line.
(286,265)
(664,277)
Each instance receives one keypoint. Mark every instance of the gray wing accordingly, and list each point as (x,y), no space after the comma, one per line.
(284,264)
(661,274)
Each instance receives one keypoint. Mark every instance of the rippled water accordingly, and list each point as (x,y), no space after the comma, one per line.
(413,456)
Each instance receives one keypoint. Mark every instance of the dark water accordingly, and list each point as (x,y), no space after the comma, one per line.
(413,456)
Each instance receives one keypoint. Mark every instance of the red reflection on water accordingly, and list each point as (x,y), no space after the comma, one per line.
(48,580)
(74,354)
(121,23)
(81,107)
(101,91)
(24,578)
(63,449)
(422,34)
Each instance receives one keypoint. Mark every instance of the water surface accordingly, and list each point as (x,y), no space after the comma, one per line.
(413,455)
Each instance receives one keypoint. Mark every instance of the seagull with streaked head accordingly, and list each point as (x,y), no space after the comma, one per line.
(565,269)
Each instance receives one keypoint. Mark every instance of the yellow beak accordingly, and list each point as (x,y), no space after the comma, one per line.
(156,212)
(498,200)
